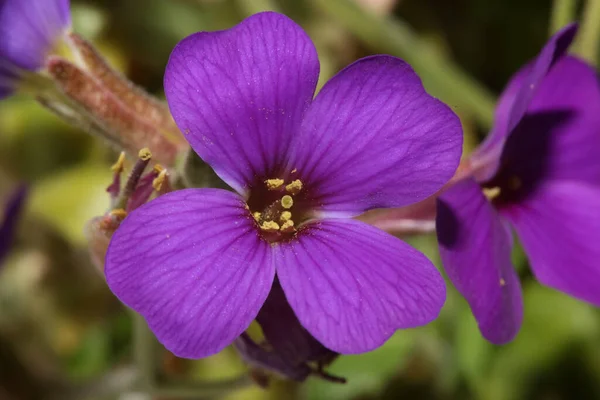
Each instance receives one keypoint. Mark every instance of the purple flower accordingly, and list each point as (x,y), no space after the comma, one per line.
(538,172)
(198,264)
(12,214)
(29,29)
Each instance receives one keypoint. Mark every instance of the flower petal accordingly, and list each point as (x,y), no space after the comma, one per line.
(239,95)
(475,247)
(192,263)
(352,285)
(29,29)
(516,98)
(374,138)
(559,137)
(559,226)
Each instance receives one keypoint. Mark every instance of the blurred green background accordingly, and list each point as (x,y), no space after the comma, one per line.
(62,333)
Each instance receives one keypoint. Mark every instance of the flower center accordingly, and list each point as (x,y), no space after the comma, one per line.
(278,207)
(502,189)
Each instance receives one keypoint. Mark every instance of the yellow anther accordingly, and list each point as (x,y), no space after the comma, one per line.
(287,201)
(159,180)
(285,216)
(294,187)
(274,184)
(158,168)
(118,213)
(491,193)
(257,216)
(120,164)
(270,226)
(145,154)
(288,226)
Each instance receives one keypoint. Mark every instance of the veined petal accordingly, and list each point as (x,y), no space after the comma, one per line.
(559,227)
(374,138)
(559,137)
(192,263)
(516,98)
(475,247)
(29,29)
(239,95)
(352,285)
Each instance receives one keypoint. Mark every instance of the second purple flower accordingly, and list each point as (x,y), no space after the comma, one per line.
(198,264)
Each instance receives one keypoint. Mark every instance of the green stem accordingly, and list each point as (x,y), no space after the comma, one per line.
(563,12)
(440,75)
(589,35)
(143,354)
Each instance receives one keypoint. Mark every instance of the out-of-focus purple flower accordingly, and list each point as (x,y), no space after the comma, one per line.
(538,172)
(198,264)
(29,29)
(12,213)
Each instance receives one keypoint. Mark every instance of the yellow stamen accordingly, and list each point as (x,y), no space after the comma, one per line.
(158,168)
(145,154)
(294,187)
(288,226)
(273,184)
(118,213)
(257,216)
(159,180)
(120,164)
(285,216)
(287,201)
(491,193)
(270,226)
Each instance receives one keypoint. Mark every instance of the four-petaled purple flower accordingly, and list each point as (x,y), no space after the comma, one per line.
(198,264)
(29,29)
(538,171)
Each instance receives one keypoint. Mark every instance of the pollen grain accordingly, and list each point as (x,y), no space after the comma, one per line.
(491,193)
(270,226)
(145,154)
(274,184)
(294,187)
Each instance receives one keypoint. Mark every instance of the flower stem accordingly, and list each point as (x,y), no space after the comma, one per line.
(143,354)
(589,35)
(444,78)
(563,12)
